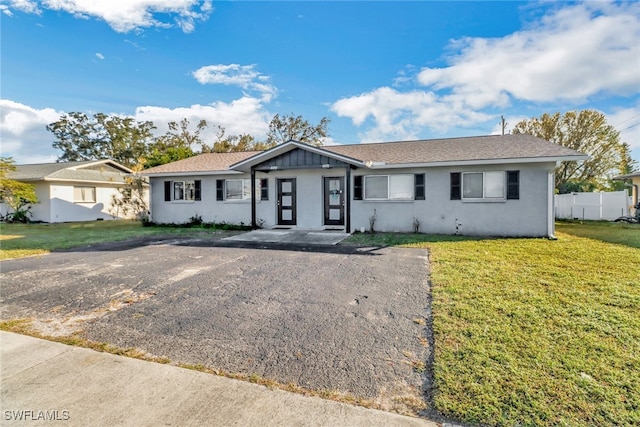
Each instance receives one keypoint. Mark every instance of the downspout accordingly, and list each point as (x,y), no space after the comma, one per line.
(551,186)
(348,197)
(253,199)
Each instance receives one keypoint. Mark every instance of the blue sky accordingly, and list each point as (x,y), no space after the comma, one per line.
(380,71)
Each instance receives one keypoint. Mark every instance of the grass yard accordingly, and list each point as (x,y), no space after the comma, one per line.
(527,331)
(20,240)
(535,331)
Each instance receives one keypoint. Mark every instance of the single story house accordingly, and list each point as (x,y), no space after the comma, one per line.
(635,185)
(486,185)
(73,191)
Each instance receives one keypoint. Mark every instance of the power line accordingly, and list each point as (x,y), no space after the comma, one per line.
(629,127)
(625,121)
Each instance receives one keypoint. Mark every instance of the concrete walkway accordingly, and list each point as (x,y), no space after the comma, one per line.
(291,236)
(48,383)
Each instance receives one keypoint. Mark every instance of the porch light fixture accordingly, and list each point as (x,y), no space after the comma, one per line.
(273,168)
(326,166)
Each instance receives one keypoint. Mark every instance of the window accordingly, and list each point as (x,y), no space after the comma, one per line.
(237,189)
(483,185)
(494,185)
(240,189)
(389,187)
(84,194)
(182,190)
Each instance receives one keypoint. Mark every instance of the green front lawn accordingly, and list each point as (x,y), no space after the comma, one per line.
(527,331)
(535,331)
(20,240)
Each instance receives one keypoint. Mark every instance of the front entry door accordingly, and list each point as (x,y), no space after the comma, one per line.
(287,201)
(334,200)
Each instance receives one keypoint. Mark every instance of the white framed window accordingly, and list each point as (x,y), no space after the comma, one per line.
(389,187)
(181,191)
(237,189)
(184,190)
(84,194)
(483,185)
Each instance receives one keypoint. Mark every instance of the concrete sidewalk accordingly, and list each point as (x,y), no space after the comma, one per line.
(48,383)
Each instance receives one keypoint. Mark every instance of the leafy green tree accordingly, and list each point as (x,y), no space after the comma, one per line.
(16,195)
(81,137)
(176,144)
(234,143)
(586,131)
(290,127)
(627,165)
(132,198)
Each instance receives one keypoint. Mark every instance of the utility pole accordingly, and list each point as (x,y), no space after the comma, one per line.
(503,124)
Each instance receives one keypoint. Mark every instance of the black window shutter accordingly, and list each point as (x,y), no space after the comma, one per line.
(513,185)
(264,189)
(456,193)
(419,184)
(167,191)
(357,187)
(219,189)
(198,189)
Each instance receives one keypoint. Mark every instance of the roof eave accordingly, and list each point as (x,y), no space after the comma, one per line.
(192,173)
(380,165)
(84,181)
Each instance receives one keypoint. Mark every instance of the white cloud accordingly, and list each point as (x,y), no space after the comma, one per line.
(243,76)
(25,138)
(125,15)
(573,53)
(99,55)
(244,115)
(24,134)
(402,115)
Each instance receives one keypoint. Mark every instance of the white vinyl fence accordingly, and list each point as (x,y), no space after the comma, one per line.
(593,206)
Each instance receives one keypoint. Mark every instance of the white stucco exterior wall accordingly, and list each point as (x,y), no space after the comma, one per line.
(440,215)
(527,216)
(62,207)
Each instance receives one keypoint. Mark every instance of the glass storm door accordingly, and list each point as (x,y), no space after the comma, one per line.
(334,201)
(287,201)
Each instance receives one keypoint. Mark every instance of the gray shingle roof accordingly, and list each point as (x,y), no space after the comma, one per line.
(202,163)
(91,170)
(490,147)
(431,151)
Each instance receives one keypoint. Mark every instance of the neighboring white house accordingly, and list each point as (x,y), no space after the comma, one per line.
(73,191)
(635,185)
(486,185)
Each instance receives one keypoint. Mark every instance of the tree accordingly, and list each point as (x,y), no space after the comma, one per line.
(132,198)
(121,139)
(176,144)
(627,165)
(234,143)
(286,128)
(586,131)
(16,195)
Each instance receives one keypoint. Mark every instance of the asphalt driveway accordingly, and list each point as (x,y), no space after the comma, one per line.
(345,319)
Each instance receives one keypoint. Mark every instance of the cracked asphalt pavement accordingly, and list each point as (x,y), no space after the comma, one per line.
(338,318)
